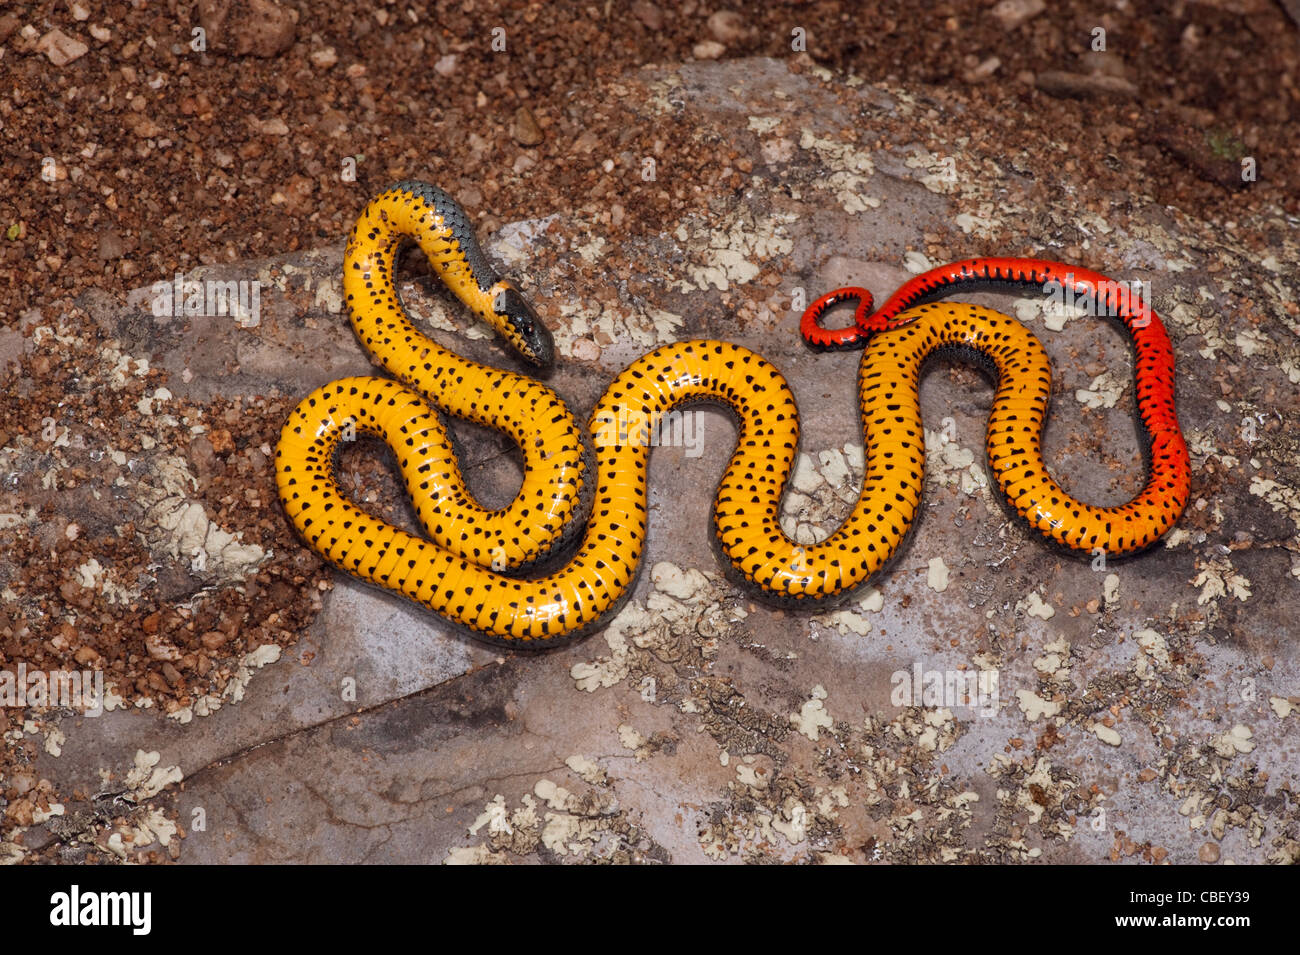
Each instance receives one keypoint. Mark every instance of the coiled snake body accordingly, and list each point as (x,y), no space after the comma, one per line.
(467,571)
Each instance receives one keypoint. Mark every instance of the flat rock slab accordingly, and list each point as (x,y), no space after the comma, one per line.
(991,700)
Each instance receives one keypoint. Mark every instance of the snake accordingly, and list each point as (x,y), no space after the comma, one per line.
(503,576)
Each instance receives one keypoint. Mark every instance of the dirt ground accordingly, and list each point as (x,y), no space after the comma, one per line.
(135,150)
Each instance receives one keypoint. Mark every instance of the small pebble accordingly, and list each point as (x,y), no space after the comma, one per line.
(983,71)
(323,58)
(708,50)
(263,28)
(110,247)
(728,26)
(60,48)
(1084,85)
(651,17)
(526,131)
(214,639)
(1012,13)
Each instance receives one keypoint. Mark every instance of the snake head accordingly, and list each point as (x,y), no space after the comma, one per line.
(517,321)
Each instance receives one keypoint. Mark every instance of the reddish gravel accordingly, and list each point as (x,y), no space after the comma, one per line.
(165,157)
